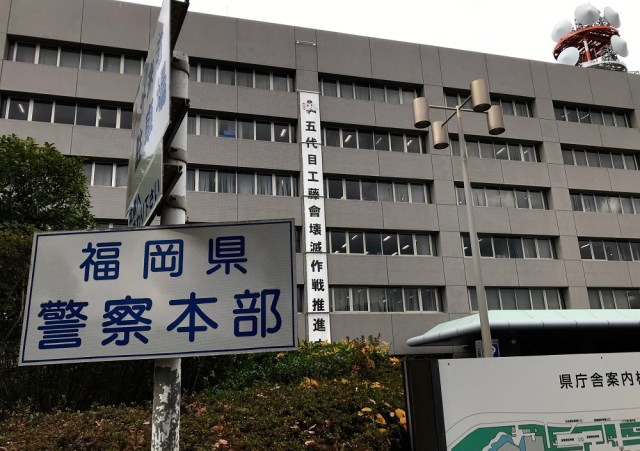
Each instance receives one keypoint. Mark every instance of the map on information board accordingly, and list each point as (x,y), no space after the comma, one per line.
(538,436)
(588,402)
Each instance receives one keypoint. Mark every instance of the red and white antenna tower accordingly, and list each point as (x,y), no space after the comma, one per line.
(592,40)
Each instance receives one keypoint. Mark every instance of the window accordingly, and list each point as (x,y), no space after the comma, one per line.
(67,113)
(584,115)
(25,52)
(107,116)
(242,182)
(372,190)
(282,132)
(612,250)
(132,65)
(246,183)
(18,109)
(62,56)
(90,60)
(519,299)
(263,131)
(208,75)
(86,115)
(497,150)
(373,140)
(330,88)
(226,75)
(111,62)
(364,91)
(226,182)
(504,197)
(385,243)
(106,174)
(244,78)
(246,129)
(599,159)
(510,106)
(48,55)
(614,298)
(126,117)
(70,58)
(227,127)
(511,247)
(42,111)
(605,203)
(385,299)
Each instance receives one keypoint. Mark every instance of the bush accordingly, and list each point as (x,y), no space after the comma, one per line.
(344,395)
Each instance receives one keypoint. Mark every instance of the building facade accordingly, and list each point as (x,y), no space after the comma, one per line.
(558,194)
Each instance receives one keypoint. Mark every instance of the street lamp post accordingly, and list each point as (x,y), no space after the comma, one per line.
(481,102)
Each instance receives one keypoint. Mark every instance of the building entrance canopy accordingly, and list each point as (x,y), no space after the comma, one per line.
(555,331)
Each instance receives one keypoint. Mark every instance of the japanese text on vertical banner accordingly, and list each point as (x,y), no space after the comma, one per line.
(317,286)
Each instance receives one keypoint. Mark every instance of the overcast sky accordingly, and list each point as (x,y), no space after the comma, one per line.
(504,27)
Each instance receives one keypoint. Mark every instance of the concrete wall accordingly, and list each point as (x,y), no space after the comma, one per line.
(124,27)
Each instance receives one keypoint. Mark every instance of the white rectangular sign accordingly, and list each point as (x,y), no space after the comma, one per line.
(574,402)
(160,292)
(150,122)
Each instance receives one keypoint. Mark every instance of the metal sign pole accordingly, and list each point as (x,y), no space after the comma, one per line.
(165,432)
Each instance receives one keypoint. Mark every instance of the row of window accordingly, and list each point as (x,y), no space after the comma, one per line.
(599,159)
(605,203)
(609,250)
(373,140)
(510,107)
(106,174)
(227,127)
(377,243)
(211,180)
(511,247)
(586,115)
(215,181)
(611,298)
(55,55)
(229,75)
(385,299)
(497,150)
(61,112)
(377,190)
(368,91)
(503,197)
(519,299)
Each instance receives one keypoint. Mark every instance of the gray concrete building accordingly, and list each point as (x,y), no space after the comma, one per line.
(558,194)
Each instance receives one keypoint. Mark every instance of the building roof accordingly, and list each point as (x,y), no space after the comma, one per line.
(460,330)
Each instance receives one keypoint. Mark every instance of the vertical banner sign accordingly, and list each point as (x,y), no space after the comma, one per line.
(315,257)
(150,122)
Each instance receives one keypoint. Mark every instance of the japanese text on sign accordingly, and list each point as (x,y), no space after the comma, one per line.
(161,291)
(317,285)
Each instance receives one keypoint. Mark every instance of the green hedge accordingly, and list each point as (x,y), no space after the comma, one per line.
(344,395)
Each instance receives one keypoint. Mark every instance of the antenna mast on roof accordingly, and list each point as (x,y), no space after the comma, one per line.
(591,41)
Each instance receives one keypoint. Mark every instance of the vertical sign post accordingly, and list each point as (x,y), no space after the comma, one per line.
(315,256)
(150,122)
(167,374)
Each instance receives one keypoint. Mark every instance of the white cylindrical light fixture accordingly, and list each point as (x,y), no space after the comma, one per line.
(440,135)
(495,120)
(480,98)
(421,112)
